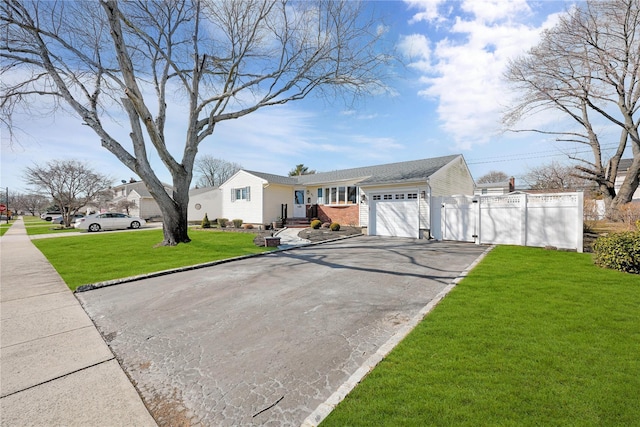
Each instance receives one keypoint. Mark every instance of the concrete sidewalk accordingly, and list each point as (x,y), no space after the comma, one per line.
(55,368)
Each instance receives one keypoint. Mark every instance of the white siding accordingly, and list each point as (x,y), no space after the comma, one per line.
(274,197)
(249,211)
(149,209)
(209,202)
(452,179)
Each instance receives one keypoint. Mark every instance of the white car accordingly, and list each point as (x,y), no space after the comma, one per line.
(108,221)
(60,219)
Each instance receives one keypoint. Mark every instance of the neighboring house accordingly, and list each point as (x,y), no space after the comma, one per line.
(207,200)
(144,205)
(388,200)
(623,167)
(496,188)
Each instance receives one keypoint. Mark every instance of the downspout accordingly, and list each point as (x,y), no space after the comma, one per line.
(430,236)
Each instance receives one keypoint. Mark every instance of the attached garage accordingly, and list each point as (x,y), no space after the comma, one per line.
(395,214)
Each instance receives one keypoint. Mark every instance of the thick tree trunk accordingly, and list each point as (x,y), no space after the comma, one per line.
(629,186)
(174,213)
(174,227)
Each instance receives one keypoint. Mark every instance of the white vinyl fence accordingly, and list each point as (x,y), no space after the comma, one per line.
(554,219)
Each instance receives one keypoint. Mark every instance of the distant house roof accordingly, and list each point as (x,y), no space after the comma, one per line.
(139,187)
(410,171)
(624,165)
(276,179)
(196,191)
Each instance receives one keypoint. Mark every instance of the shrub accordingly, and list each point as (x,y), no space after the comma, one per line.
(619,251)
(315,224)
(334,226)
(247,226)
(205,222)
(222,222)
(237,223)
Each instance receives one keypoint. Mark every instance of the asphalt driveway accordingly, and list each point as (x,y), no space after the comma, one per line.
(264,341)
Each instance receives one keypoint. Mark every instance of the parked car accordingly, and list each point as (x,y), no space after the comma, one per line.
(108,221)
(60,219)
(48,216)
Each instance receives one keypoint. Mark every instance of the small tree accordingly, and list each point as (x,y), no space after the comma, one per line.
(301,169)
(70,184)
(125,205)
(214,172)
(555,176)
(493,176)
(32,202)
(205,222)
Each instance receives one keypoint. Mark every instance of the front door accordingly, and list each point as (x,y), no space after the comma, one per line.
(299,207)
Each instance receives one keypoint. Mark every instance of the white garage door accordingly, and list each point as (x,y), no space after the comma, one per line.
(396,215)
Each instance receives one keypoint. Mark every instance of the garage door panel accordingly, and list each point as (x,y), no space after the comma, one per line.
(397,218)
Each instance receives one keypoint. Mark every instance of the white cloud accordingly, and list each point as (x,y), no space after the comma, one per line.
(416,48)
(429,10)
(464,72)
(494,10)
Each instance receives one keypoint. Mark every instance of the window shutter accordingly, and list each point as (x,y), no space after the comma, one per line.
(248,193)
(233,194)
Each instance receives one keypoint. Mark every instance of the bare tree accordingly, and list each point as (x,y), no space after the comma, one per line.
(588,68)
(213,172)
(492,176)
(32,202)
(555,176)
(125,205)
(225,59)
(301,169)
(70,184)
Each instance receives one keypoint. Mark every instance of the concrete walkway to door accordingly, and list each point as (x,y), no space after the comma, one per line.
(273,339)
(55,368)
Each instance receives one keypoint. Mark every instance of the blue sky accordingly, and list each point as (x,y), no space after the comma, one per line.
(448,99)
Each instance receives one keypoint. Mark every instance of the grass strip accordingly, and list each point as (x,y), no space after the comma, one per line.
(106,256)
(531,337)
(4,226)
(35,226)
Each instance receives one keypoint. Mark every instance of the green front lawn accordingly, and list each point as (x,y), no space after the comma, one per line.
(530,338)
(105,256)
(35,225)
(4,226)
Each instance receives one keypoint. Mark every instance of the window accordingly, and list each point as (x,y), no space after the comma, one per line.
(388,197)
(342,195)
(243,193)
(412,196)
(399,196)
(352,194)
(338,195)
(376,197)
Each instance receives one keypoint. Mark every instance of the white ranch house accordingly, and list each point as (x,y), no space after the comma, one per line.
(386,200)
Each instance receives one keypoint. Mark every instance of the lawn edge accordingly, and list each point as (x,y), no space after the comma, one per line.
(324,409)
(98,285)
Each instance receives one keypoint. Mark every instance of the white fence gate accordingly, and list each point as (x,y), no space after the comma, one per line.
(554,219)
